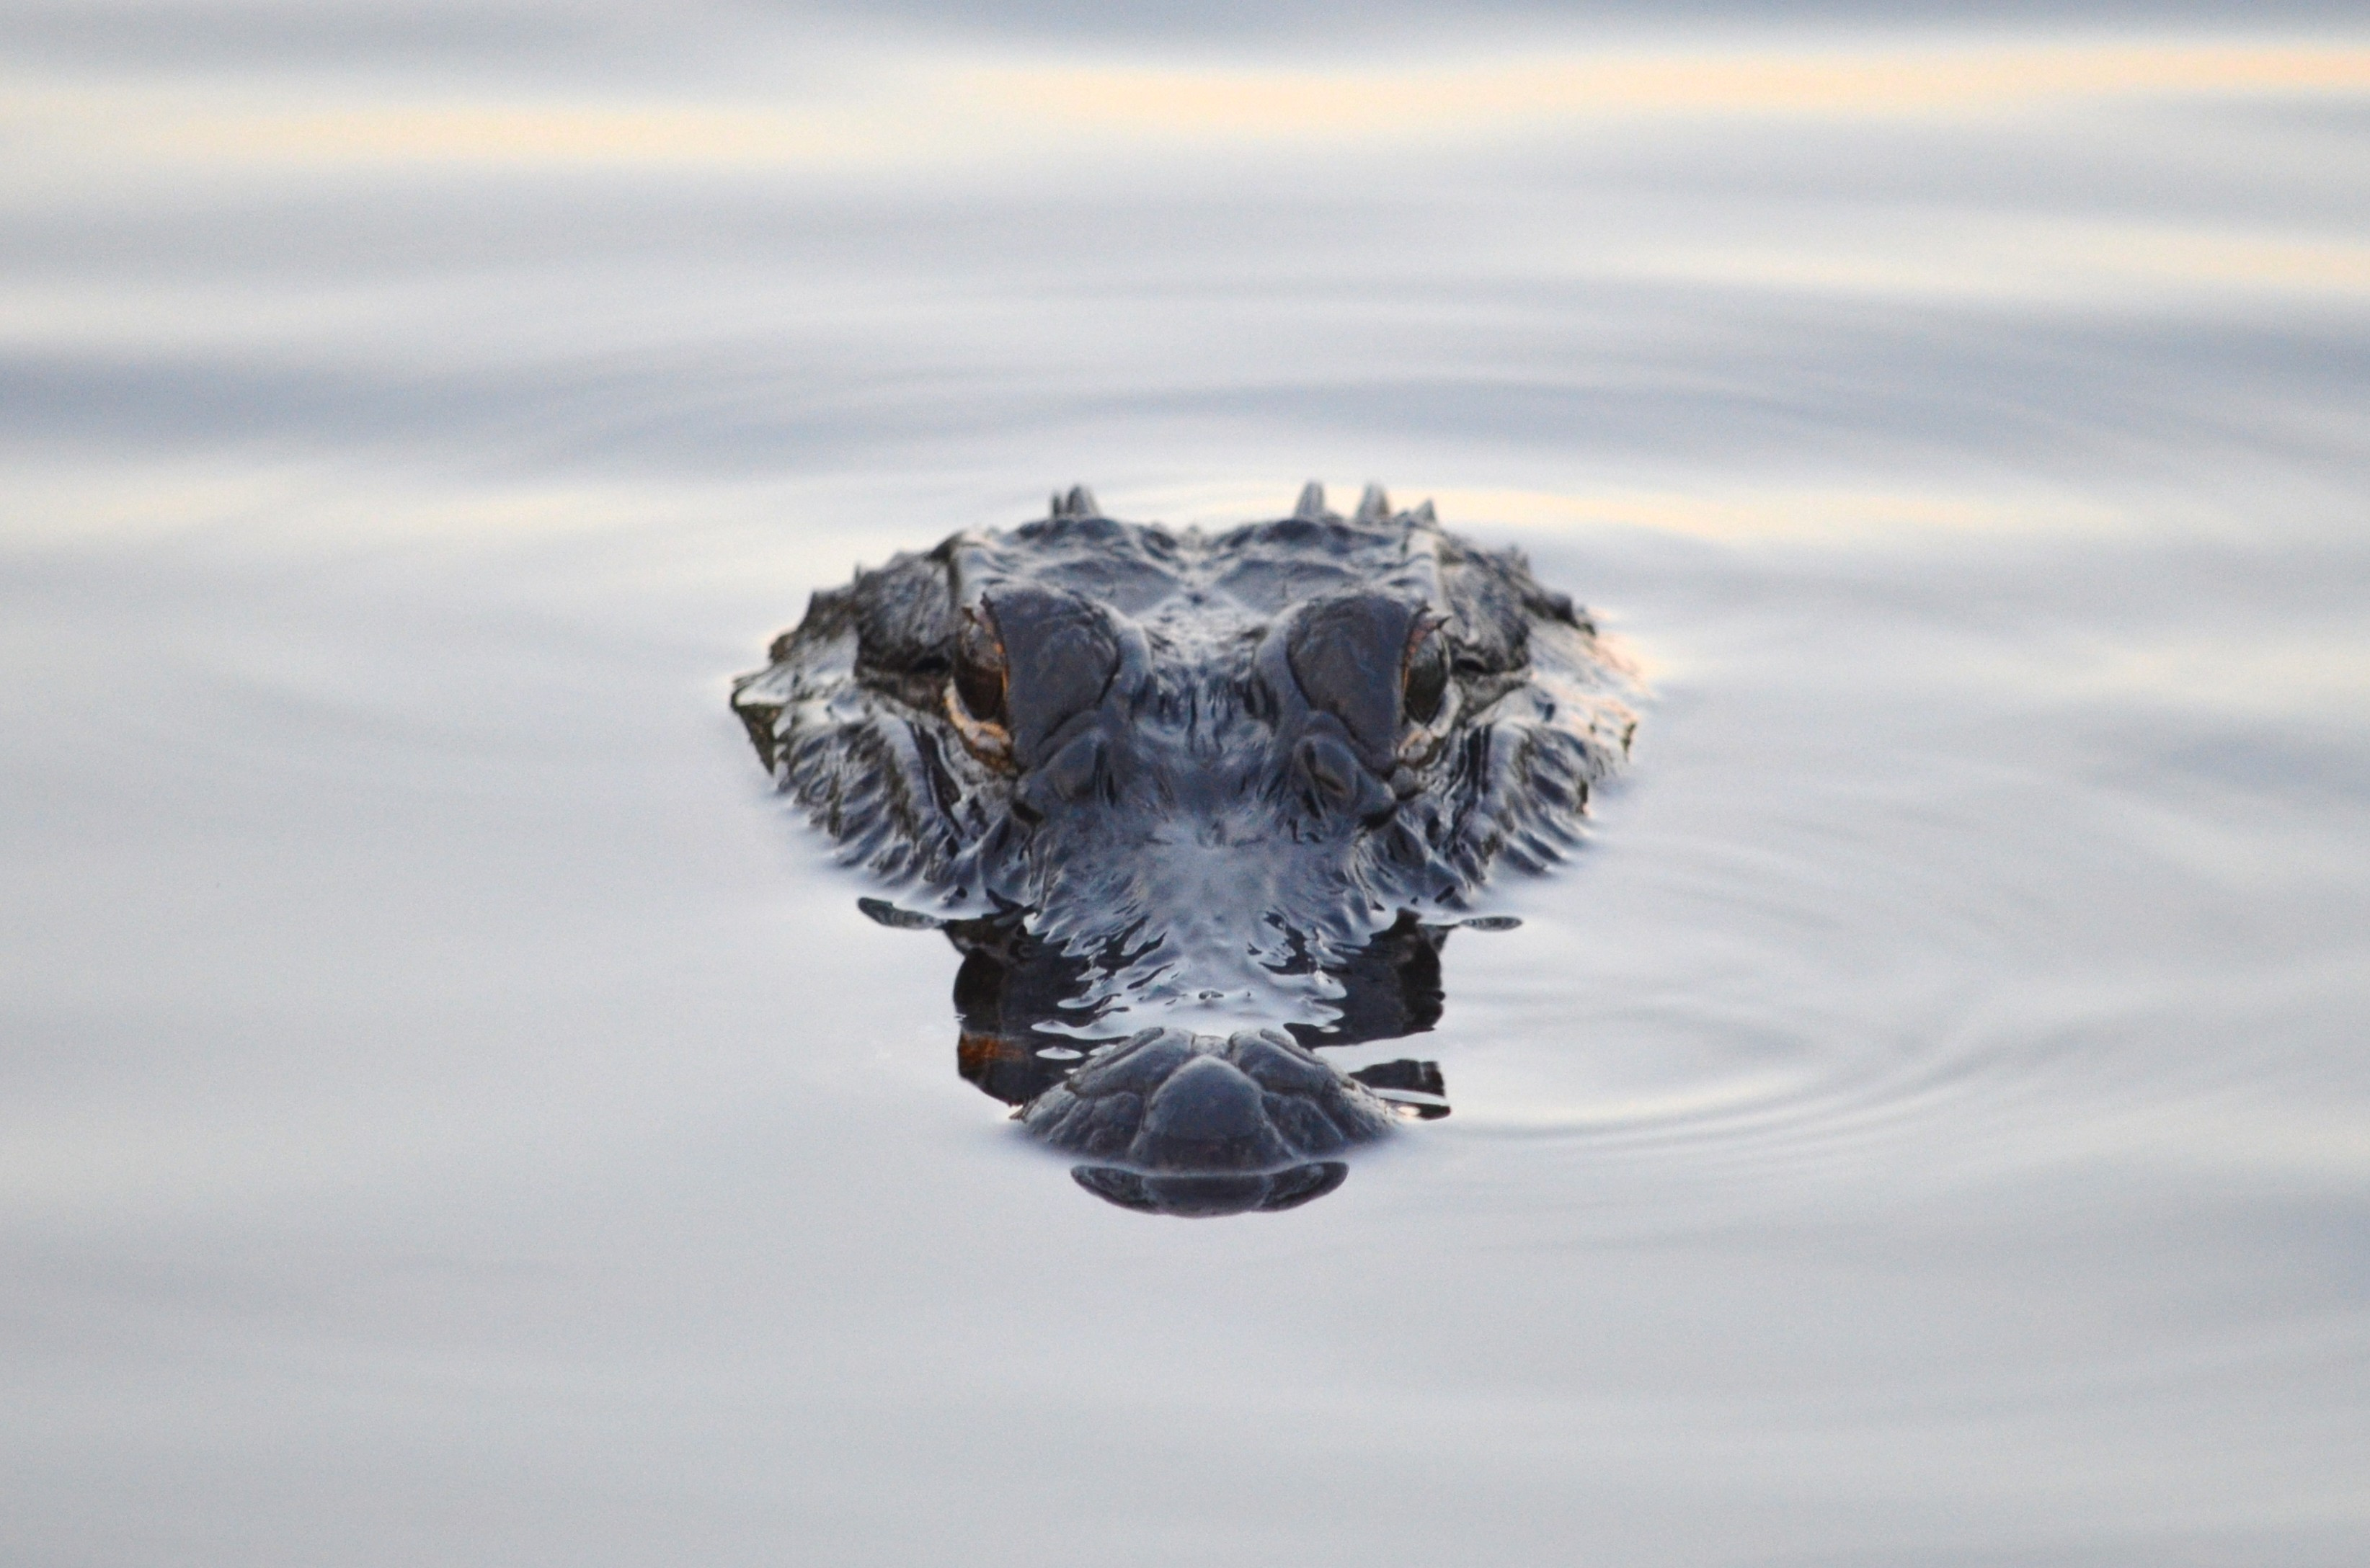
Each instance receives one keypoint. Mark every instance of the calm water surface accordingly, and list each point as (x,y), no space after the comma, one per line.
(453,1112)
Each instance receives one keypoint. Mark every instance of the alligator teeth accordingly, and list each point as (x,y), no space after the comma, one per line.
(1374,505)
(1312,502)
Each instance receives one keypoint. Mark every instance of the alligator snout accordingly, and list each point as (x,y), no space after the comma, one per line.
(1195,1125)
(1169,1102)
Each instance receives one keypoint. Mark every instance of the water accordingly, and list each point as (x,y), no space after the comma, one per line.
(454,1113)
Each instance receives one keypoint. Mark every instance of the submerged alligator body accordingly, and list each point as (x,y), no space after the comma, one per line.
(1193,804)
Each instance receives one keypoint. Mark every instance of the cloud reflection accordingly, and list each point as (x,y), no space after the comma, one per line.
(1286,105)
(924,109)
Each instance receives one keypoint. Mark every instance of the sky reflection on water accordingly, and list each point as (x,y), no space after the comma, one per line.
(452,1111)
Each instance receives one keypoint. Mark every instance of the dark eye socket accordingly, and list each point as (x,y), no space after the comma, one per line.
(1426,682)
(980,673)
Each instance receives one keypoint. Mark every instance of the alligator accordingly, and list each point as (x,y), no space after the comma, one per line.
(1194,805)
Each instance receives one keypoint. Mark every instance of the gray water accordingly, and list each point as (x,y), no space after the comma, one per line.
(453,1112)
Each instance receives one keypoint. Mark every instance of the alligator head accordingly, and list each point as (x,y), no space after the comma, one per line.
(1199,792)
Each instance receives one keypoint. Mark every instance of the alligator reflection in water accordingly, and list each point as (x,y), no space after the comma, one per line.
(1229,790)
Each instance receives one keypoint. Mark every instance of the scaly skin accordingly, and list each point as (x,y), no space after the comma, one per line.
(1195,779)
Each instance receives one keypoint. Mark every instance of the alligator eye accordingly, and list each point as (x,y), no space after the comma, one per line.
(1353,657)
(1426,681)
(1027,662)
(975,693)
(979,669)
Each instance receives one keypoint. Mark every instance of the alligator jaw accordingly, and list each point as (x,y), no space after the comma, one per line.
(1202,1197)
